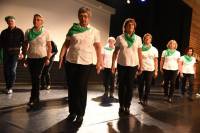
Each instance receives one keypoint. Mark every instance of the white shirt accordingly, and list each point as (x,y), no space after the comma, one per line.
(171,62)
(81,49)
(128,56)
(107,56)
(148,59)
(188,67)
(38,46)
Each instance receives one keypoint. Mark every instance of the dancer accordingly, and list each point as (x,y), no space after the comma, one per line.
(38,49)
(128,49)
(169,66)
(150,68)
(82,48)
(11,40)
(108,76)
(188,71)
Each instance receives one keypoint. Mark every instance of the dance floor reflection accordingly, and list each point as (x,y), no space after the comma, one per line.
(101,116)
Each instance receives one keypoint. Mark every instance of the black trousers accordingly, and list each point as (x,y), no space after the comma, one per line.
(145,80)
(45,77)
(126,75)
(169,82)
(108,80)
(77,80)
(190,78)
(35,68)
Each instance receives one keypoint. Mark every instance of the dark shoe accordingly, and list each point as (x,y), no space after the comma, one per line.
(79,120)
(126,111)
(121,111)
(71,117)
(33,106)
(42,88)
(111,96)
(105,95)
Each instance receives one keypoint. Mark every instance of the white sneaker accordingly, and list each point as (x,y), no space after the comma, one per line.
(10,91)
(198,94)
(48,87)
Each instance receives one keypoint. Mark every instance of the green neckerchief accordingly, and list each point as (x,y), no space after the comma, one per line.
(188,58)
(129,39)
(108,48)
(76,28)
(32,34)
(1,56)
(169,52)
(145,47)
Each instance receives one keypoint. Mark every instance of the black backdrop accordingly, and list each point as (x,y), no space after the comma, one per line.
(164,19)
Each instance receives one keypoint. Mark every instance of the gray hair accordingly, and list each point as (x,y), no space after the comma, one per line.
(85,10)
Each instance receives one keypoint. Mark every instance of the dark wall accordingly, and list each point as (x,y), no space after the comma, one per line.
(164,19)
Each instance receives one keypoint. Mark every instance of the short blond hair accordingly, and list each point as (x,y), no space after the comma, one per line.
(145,35)
(128,20)
(172,41)
(111,38)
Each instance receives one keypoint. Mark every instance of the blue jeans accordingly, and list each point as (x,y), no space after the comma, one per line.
(9,67)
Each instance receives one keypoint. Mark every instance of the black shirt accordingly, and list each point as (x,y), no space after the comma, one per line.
(11,39)
(54,48)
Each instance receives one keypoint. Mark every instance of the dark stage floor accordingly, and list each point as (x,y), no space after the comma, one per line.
(159,116)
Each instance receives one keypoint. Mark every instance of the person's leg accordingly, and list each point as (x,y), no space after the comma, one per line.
(191,84)
(166,84)
(79,95)
(13,67)
(81,90)
(141,86)
(43,79)
(48,76)
(130,74)
(10,65)
(121,89)
(183,84)
(172,84)
(148,82)
(112,83)
(71,73)
(35,68)
(106,81)
(6,66)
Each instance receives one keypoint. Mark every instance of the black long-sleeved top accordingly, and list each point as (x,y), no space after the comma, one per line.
(54,48)
(11,39)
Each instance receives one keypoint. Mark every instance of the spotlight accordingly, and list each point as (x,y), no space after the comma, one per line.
(128,1)
(143,0)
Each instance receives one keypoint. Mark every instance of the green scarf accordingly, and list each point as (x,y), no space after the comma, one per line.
(76,28)
(33,34)
(129,39)
(1,56)
(188,58)
(108,48)
(169,52)
(145,47)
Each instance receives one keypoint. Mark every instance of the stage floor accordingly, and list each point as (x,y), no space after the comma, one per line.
(101,116)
